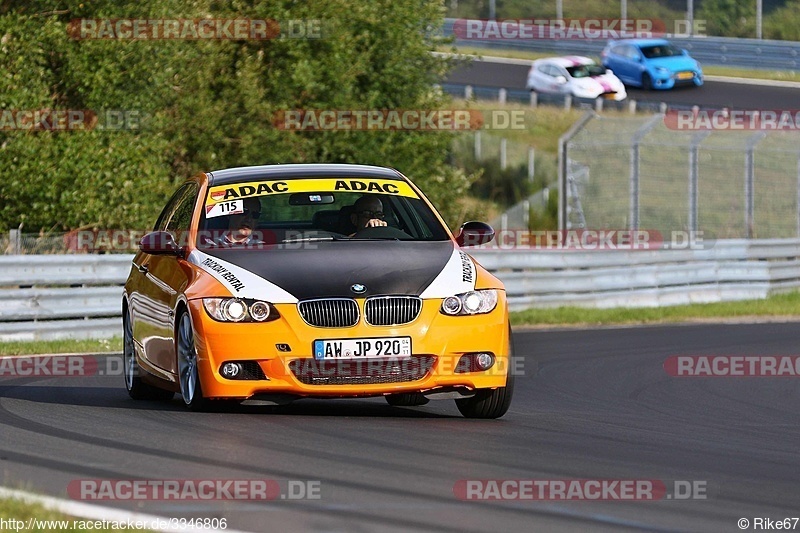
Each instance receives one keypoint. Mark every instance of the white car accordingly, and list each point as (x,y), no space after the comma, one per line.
(576,75)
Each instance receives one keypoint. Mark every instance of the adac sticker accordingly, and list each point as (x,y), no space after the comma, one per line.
(225,193)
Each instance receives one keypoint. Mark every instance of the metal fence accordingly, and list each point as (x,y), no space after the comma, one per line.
(61,296)
(79,296)
(730,270)
(745,53)
(636,173)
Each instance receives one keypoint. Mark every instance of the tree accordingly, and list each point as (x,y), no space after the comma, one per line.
(204,105)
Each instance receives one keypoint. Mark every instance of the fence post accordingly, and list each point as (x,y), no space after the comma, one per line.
(633,186)
(563,166)
(531,163)
(749,183)
(568,102)
(632,106)
(503,153)
(598,104)
(693,172)
(534,99)
(468,92)
(501,96)
(798,194)
(526,214)
(13,241)
(478,145)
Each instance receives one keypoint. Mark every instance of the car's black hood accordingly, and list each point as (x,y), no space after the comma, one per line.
(330,269)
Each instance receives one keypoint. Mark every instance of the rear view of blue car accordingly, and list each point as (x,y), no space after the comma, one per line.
(651,64)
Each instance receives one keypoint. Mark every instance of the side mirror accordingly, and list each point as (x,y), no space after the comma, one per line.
(160,243)
(474,234)
(561,80)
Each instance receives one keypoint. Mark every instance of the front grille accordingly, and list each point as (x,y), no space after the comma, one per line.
(329,313)
(392,310)
(361,372)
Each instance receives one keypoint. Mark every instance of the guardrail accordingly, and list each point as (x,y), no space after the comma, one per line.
(567,101)
(61,296)
(726,51)
(730,270)
(79,296)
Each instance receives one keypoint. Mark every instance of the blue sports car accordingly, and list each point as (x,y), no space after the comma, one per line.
(651,64)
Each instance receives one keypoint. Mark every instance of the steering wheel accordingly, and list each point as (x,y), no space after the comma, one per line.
(382,232)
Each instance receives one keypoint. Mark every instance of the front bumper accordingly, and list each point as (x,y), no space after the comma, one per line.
(675,79)
(438,341)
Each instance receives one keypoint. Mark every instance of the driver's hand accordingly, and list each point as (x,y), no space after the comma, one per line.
(375,222)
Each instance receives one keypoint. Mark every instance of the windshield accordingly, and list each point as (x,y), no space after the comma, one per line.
(586,71)
(279,211)
(662,50)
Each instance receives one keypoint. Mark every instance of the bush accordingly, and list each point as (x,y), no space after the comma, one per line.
(207,104)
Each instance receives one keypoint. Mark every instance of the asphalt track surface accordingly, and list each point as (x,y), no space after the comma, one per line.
(593,404)
(713,94)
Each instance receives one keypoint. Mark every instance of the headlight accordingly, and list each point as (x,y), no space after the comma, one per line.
(239,310)
(470,303)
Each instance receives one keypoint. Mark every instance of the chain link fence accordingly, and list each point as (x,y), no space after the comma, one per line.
(636,173)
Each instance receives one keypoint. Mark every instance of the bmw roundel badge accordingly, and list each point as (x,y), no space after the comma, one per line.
(358,288)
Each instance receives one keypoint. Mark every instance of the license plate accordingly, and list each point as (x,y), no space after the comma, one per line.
(685,75)
(368,348)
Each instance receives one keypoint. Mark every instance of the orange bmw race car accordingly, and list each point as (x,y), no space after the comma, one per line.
(267,284)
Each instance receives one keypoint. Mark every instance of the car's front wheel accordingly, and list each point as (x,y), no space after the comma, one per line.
(189,377)
(137,389)
(647,81)
(488,403)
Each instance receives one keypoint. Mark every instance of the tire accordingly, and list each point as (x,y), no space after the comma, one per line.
(406,400)
(490,403)
(188,376)
(647,81)
(137,389)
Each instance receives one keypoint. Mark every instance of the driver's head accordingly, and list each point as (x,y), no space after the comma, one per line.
(241,225)
(365,209)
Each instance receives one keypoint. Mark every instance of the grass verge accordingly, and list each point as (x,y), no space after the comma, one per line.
(709,70)
(61,346)
(779,305)
(39,518)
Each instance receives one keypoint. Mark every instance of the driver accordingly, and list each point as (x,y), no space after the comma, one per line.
(367,213)
(241,226)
